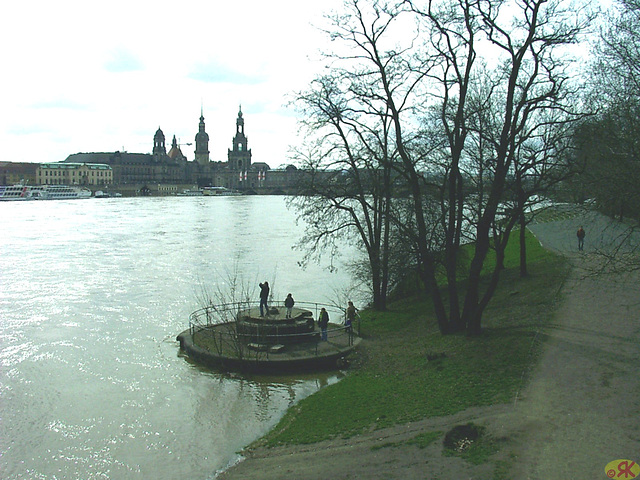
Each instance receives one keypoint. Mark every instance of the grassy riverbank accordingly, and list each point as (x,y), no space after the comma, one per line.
(406,370)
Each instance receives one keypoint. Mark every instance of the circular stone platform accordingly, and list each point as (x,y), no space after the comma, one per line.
(275,327)
(269,343)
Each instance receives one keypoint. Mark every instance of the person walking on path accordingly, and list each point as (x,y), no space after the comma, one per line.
(264,296)
(581,234)
(289,302)
(323,323)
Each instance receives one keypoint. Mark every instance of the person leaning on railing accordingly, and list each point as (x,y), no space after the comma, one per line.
(323,323)
(350,316)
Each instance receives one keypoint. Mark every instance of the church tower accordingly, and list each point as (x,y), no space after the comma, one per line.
(159,148)
(202,143)
(240,156)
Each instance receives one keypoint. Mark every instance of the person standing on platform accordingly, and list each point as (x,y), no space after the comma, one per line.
(289,302)
(323,323)
(350,316)
(264,296)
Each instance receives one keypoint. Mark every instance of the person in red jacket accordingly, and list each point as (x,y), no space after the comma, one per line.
(581,234)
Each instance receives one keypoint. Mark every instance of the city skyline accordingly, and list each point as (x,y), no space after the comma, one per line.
(89,77)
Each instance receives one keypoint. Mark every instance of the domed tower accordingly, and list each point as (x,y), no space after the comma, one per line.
(175,153)
(158,143)
(202,143)
(240,156)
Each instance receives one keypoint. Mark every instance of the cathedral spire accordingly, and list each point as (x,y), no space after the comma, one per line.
(239,156)
(202,141)
(240,122)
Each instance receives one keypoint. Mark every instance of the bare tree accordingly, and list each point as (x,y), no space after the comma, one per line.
(616,65)
(347,192)
(609,143)
(427,93)
(525,88)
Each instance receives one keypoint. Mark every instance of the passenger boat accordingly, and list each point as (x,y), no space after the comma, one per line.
(219,192)
(42,192)
(103,194)
(19,192)
(191,193)
(60,192)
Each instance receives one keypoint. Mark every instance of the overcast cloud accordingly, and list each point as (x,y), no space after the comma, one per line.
(86,76)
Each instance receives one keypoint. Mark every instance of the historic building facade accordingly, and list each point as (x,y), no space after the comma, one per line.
(68,173)
(172,167)
(162,172)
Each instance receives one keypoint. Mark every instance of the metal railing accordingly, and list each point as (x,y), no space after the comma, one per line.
(227,314)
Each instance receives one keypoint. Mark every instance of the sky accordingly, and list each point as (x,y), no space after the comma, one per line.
(82,76)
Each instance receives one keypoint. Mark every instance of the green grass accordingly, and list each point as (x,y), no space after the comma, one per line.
(394,381)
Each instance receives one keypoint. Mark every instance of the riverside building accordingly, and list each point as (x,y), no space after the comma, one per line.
(70,173)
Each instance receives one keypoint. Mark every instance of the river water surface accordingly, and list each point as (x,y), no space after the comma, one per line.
(92,295)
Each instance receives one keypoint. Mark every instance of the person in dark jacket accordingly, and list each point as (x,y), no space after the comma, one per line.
(350,316)
(264,296)
(289,302)
(323,322)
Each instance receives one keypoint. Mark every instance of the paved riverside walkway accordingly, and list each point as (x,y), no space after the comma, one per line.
(581,409)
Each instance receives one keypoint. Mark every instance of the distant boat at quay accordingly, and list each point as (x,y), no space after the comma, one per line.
(191,193)
(209,192)
(101,194)
(219,191)
(42,192)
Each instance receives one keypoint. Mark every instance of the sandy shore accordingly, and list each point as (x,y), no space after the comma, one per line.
(579,411)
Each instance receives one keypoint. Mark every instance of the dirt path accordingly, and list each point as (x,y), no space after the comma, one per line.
(580,410)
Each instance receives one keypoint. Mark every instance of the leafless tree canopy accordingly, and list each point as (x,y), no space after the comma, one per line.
(445,118)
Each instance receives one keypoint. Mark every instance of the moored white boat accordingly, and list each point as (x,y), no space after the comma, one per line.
(191,193)
(42,192)
(219,192)
(19,192)
(61,192)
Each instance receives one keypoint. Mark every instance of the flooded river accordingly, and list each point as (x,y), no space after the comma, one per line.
(92,295)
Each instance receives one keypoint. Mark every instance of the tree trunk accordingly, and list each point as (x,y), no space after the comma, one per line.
(474,326)
(523,246)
